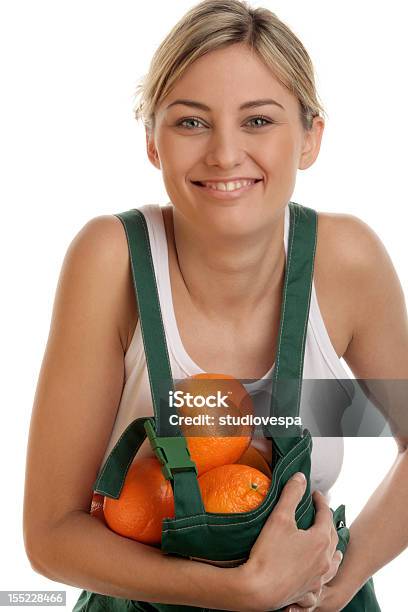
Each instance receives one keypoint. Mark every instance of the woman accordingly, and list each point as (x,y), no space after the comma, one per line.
(231,114)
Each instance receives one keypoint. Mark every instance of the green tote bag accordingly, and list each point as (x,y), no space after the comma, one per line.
(193,533)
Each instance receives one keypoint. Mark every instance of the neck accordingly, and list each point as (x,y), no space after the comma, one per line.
(228,278)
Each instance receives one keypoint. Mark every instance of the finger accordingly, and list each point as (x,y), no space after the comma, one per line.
(323,517)
(285,508)
(291,495)
(334,567)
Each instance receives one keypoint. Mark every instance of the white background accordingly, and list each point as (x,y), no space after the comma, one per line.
(70,150)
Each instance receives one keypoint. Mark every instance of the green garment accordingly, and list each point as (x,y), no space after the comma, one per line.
(193,532)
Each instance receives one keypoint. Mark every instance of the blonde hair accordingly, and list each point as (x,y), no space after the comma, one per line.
(213,24)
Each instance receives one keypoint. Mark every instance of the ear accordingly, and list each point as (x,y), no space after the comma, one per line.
(311,143)
(152,153)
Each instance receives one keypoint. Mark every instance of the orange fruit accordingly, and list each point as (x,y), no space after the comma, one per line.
(147,497)
(212,445)
(145,500)
(254,458)
(233,488)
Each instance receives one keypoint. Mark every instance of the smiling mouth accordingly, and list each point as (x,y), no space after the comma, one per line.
(225,187)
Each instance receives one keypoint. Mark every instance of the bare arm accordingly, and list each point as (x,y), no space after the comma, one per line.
(82,552)
(378,350)
(75,406)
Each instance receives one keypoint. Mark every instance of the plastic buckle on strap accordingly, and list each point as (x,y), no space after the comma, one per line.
(171,451)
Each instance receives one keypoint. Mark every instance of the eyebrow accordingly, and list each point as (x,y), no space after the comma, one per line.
(245,105)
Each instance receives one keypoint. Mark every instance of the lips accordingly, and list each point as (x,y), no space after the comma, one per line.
(229,192)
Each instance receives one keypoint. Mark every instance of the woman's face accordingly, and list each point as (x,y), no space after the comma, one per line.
(220,132)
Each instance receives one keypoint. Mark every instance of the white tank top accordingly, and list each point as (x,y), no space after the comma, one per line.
(320,362)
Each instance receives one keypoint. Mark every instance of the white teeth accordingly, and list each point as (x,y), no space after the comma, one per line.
(230,186)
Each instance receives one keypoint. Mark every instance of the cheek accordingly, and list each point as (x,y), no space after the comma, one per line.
(174,168)
(283,155)
(177,156)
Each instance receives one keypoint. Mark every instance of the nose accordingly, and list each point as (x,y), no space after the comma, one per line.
(225,148)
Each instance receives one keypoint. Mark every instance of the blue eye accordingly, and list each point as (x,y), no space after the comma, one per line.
(183,122)
(180,123)
(267,122)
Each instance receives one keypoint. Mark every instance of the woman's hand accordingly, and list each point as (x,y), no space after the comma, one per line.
(287,564)
(327,601)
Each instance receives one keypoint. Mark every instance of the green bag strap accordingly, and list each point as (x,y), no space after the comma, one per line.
(151,322)
(112,475)
(172,451)
(288,371)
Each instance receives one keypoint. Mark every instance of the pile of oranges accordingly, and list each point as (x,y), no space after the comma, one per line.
(233,476)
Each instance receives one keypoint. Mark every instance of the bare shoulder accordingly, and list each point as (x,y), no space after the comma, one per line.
(349,239)
(355,255)
(101,245)
(351,266)
(354,267)
(103,239)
